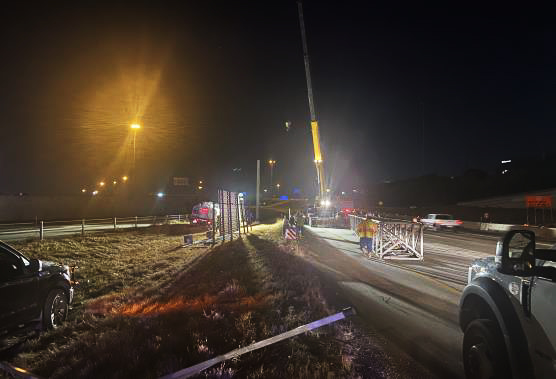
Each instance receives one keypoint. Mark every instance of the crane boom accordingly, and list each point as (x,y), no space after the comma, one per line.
(314,122)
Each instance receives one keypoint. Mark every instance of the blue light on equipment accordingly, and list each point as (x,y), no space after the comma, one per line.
(283,197)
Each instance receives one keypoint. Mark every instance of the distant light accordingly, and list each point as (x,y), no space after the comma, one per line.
(284,197)
(355,190)
(135,126)
(124,178)
(95,192)
(265,190)
(200,182)
(101,184)
(83,190)
(507,161)
(328,190)
(114,182)
(325,203)
(160,194)
(278,185)
(200,187)
(505,172)
(343,192)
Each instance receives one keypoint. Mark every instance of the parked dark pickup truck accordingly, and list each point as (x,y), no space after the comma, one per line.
(32,292)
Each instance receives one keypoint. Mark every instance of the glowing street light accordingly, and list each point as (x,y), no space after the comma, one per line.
(83,190)
(95,192)
(328,190)
(278,185)
(271,163)
(135,127)
(114,182)
(124,178)
(101,184)
(160,194)
(200,187)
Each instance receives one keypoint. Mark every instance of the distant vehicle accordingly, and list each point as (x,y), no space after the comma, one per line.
(507,311)
(203,213)
(32,292)
(438,221)
(345,206)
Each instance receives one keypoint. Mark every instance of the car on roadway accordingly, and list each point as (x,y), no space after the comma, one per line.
(507,311)
(33,293)
(438,221)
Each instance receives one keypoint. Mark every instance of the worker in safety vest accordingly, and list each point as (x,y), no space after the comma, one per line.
(366,230)
(299,222)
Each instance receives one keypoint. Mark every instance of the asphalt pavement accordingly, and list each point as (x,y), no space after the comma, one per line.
(412,304)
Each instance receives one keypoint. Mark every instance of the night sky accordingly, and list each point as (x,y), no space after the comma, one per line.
(213,83)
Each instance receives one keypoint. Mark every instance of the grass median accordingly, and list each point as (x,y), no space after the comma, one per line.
(148,307)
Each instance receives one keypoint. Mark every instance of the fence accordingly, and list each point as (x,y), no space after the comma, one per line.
(395,239)
(232,218)
(55,228)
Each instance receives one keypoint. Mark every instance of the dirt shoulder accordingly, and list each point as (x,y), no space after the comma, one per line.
(148,307)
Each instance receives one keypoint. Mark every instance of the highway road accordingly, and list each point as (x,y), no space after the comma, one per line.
(413,305)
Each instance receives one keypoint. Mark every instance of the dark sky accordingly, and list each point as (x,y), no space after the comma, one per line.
(212,84)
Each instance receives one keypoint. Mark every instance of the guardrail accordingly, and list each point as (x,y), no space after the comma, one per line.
(55,228)
(395,239)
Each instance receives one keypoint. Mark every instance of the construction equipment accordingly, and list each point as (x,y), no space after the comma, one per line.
(395,239)
(314,123)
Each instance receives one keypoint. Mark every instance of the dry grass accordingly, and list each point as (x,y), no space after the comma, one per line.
(147,308)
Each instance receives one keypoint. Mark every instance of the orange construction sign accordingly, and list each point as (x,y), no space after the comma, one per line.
(538,201)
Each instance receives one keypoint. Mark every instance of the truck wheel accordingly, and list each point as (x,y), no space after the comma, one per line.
(484,351)
(55,309)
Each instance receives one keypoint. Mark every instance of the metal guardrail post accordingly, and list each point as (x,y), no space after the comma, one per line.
(115,223)
(41,231)
(83,227)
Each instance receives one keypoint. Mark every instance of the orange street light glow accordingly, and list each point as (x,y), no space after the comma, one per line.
(124,178)
(135,126)
(101,184)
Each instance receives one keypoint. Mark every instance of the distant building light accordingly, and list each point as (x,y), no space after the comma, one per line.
(200,187)
(505,172)
(83,190)
(343,192)
(507,161)
(160,194)
(95,193)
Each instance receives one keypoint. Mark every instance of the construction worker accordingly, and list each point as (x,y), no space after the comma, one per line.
(299,222)
(366,230)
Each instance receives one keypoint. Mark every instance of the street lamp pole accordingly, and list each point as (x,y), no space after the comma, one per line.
(135,127)
(271,163)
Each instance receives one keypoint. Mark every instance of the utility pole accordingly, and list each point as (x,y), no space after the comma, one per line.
(423,137)
(258,189)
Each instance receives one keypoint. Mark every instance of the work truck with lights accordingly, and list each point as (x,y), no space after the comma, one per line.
(205,212)
(508,309)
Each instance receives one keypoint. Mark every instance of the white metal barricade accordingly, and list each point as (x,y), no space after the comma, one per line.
(395,239)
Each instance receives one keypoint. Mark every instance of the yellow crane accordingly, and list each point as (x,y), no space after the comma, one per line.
(314,123)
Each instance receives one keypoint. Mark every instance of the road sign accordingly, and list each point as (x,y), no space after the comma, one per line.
(538,201)
(291,234)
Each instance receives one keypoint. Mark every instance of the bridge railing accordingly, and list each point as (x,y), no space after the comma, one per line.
(395,239)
